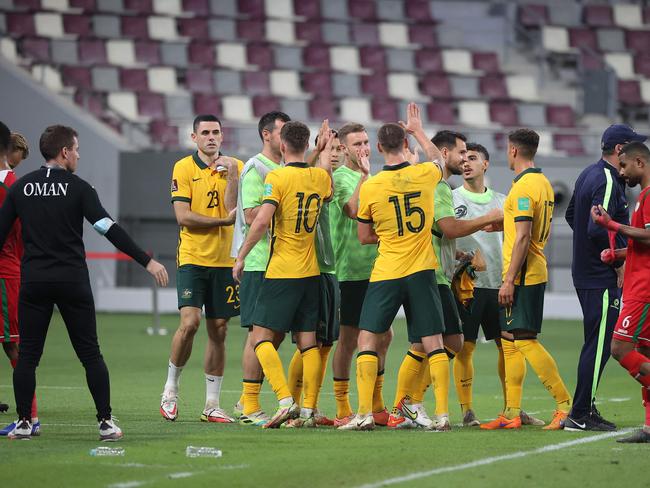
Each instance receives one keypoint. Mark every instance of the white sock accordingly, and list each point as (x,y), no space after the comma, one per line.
(212,390)
(306,412)
(286,402)
(173,375)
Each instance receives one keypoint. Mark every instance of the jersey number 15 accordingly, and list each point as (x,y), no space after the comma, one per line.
(409,210)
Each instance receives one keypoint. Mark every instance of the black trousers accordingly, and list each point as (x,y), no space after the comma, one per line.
(600,310)
(75,302)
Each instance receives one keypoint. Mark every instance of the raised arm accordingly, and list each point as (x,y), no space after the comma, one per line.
(413,126)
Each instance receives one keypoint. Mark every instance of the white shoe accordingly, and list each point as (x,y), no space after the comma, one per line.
(169,405)
(216,415)
(415,412)
(22,430)
(109,431)
(440,423)
(257,419)
(360,422)
(282,414)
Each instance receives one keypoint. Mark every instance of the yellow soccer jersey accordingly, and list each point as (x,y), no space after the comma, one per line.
(205,190)
(399,202)
(298,192)
(531,198)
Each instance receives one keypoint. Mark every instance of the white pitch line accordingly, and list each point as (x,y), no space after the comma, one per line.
(128,484)
(177,476)
(492,460)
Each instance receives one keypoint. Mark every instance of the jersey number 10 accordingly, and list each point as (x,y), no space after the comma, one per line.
(409,210)
(302,219)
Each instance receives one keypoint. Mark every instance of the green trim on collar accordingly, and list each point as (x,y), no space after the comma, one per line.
(480,198)
(525,172)
(197,160)
(297,165)
(267,161)
(396,167)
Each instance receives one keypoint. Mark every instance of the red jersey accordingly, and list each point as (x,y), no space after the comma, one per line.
(636,285)
(12,252)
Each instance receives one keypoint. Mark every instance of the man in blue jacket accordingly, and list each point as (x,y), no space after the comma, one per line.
(598,285)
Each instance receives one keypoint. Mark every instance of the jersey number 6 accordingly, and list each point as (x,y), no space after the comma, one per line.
(302,219)
(409,209)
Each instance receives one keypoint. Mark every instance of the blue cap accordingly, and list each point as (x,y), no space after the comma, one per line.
(619,134)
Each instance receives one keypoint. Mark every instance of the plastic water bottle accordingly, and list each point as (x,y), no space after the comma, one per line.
(107,451)
(194,452)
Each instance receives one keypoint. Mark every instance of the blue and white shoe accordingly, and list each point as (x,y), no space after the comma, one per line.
(36,429)
(22,430)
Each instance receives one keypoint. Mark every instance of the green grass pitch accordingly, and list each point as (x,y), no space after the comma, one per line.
(155,449)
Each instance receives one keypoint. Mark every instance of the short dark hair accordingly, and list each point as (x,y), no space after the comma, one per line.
(447,138)
(391,137)
(204,118)
(295,135)
(350,128)
(54,139)
(5,138)
(637,150)
(336,134)
(19,143)
(475,146)
(267,121)
(526,140)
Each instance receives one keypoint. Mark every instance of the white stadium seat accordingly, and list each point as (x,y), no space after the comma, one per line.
(124,103)
(645,91)
(474,113)
(457,61)
(522,87)
(622,65)
(231,55)
(628,15)
(555,39)
(237,108)
(403,86)
(345,58)
(61,5)
(393,34)
(279,8)
(162,28)
(49,25)
(545,147)
(357,109)
(120,52)
(47,75)
(285,83)
(162,79)
(280,31)
(168,7)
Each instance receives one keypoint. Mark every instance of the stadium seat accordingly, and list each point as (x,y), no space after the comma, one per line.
(364,34)
(265,103)
(423,35)
(372,58)
(545,147)
(336,33)
(473,113)
(418,10)
(163,133)
(493,86)
(363,10)
(504,113)
(357,109)
(296,107)
(429,60)
(135,6)
(533,15)
(250,30)
(403,86)
(237,108)
(35,48)
(48,24)
(60,5)
(611,40)
(90,102)
(628,15)
(334,9)
(567,14)
(256,83)
(122,52)
(19,24)
(167,7)
(76,24)
(384,110)
(280,31)
(309,9)
(279,8)
(346,85)
(598,15)
(147,52)
(487,62)
(64,52)
(522,87)
(162,79)
(441,113)
(124,103)
(285,83)
(622,64)
(193,28)
(390,10)
(151,105)
(232,55)
(199,80)
(135,27)
(227,82)
(629,92)
(197,7)
(400,59)
(571,144)
(463,87)
(323,108)
(642,64)
(646,15)
(162,28)
(134,79)
(179,106)
(258,54)
(206,103)
(201,54)
(555,39)
(77,76)
(316,56)
(394,34)
(174,54)
(580,37)
(645,91)
(589,61)
(343,58)
(375,85)
(309,32)
(106,26)
(92,51)
(435,85)
(531,114)
(457,61)
(105,78)
(317,82)
(560,116)
(288,57)
(638,40)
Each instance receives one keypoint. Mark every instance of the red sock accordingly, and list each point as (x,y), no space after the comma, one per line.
(34,407)
(633,361)
(13,362)
(646,403)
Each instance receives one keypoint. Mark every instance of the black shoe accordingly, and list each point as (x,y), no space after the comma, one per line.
(4,407)
(638,437)
(586,423)
(597,417)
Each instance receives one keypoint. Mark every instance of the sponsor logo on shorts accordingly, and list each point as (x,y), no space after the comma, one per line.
(187,293)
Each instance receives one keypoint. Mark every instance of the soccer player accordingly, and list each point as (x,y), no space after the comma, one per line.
(396,208)
(472,200)
(250,198)
(528,213)
(51,204)
(289,297)
(204,195)
(598,285)
(354,263)
(631,341)
(10,257)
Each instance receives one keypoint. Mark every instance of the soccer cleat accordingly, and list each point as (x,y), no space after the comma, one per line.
(558,421)
(397,420)
(638,437)
(237,410)
(440,424)
(216,415)
(36,429)
(527,419)
(415,412)
(595,415)
(300,422)
(282,414)
(470,420)
(586,423)
(109,431)
(22,430)
(257,419)
(338,422)
(381,418)
(3,407)
(169,406)
(501,422)
(322,419)
(360,422)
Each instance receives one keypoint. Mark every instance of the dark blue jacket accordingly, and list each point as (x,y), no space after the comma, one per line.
(598,184)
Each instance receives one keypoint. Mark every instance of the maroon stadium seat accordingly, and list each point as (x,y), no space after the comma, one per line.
(138,6)
(76,76)
(533,15)
(441,113)
(260,54)
(20,24)
(147,52)
(151,105)
(35,48)
(423,34)
(384,109)
(372,57)
(375,84)
(251,8)
(629,92)
(264,104)
(256,83)
(163,133)
(112,121)
(199,80)
(323,108)
(251,30)
(581,37)
(196,7)
(504,113)
(570,143)
(598,15)
(500,141)
(365,34)
(590,61)
(194,28)
(418,10)
(86,5)
(362,9)
(317,82)
(135,27)
(134,79)
(27,4)
(485,61)
(90,102)
(435,85)
(493,86)
(92,51)
(309,32)
(560,116)
(646,15)
(428,60)
(309,9)
(642,64)
(76,24)
(201,53)
(316,56)
(638,40)
(206,104)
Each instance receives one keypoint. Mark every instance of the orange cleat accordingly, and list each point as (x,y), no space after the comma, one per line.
(558,421)
(381,418)
(322,419)
(501,422)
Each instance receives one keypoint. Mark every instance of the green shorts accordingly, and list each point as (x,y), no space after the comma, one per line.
(417,293)
(214,288)
(352,296)
(288,304)
(450,315)
(527,311)
(249,289)
(330,304)
(483,312)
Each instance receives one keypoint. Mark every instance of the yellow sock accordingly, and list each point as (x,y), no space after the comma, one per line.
(378,404)
(241,398)
(310,376)
(272,367)
(421,383)
(464,375)
(408,375)
(546,369)
(324,356)
(251,396)
(342,397)
(367,363)
(294,376)
(439,369)
(515,366)
(501,369)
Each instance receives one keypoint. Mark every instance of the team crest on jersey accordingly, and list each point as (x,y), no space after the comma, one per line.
(268,189)
(174,185)
(523,203)
(461,211)
(187,293)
